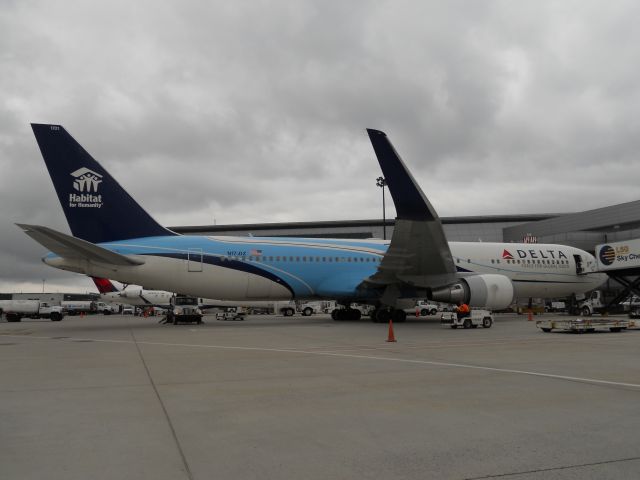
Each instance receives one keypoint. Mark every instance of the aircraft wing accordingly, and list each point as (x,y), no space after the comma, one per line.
(418,254)
(67,246)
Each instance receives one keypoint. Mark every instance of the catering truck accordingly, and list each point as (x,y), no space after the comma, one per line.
(16,310)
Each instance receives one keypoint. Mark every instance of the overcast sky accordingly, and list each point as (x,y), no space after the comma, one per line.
(256,111)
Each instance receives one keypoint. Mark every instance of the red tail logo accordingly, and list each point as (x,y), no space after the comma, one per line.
(104,285)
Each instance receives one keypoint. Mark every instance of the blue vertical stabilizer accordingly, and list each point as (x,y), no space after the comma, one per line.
(97,208)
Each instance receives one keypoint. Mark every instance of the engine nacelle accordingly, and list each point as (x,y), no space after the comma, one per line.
(131,292)
(491,291)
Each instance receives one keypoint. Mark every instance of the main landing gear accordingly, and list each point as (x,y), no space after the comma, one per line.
(378,315)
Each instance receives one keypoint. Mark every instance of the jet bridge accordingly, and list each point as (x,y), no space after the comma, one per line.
(621,261)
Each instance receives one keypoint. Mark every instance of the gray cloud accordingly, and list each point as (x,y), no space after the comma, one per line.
(252,112)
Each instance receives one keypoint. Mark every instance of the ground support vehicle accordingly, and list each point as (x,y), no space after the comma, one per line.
(422,309)
(16,310)
(76,307)
(309,308)
(230,316)
(184,310)
(105,308)
(285,308)
(582,325)
(475,318)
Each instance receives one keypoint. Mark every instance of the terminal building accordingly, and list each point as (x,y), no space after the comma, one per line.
(583,230)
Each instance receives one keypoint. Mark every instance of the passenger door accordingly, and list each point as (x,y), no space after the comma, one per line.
(194,260)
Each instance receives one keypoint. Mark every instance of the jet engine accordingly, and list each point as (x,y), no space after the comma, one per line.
(491,291)
(131,292)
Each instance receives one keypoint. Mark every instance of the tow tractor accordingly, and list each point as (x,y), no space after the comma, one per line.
(475,318)
(582,325)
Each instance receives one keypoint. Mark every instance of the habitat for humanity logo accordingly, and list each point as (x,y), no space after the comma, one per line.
(86,182)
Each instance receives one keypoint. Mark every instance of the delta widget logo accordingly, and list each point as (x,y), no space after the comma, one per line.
(607,255)
(506,255)
(87,183)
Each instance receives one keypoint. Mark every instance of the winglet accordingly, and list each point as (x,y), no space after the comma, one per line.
(411,203)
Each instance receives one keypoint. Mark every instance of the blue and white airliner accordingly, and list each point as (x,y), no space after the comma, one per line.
(113,237)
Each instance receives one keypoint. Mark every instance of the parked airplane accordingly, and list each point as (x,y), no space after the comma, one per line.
(132,294)
(141,297)
(114,237)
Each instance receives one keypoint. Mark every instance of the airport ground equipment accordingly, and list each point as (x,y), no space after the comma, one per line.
(76,307)
(105,308)
(285,308)
(309,308)
(16,310)
(184,309)
(422,309)
(231,315)
(475,318)
(582,325)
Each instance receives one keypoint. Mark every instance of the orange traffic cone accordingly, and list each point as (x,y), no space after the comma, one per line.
(417,312)
(391,337)
(530,316)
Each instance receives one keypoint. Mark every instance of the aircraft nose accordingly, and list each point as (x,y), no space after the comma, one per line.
(599,279)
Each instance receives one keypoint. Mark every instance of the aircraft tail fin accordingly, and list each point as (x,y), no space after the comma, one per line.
(97,208)
(104,285)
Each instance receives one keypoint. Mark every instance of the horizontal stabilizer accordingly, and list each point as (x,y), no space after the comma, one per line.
(67,246)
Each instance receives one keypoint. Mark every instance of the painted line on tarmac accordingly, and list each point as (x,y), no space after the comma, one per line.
(594,381)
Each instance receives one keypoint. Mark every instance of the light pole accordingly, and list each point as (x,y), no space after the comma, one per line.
(381,182)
